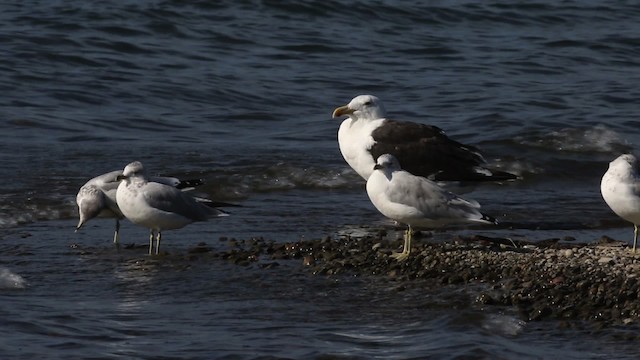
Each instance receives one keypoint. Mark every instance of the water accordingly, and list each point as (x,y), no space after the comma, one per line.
(240,94)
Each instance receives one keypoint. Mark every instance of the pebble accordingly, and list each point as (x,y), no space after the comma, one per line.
(308,260)
(606,260)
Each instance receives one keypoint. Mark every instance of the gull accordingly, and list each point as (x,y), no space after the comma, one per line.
(423,150)
(417,201)
(157,206)
(97,197)
(620,188)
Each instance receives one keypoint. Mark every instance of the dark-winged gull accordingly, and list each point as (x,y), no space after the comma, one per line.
(423,150)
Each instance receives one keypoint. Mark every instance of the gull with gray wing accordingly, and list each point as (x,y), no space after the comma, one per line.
(157,206)
(97,197)
(417,201)
(620,188)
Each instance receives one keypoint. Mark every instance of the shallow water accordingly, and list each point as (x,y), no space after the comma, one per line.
(240,94)
(84,299)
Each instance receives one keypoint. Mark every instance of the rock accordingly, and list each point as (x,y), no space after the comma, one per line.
(308,260)
(485,299)
(539,312)
(566,252)
(199,249)
(606,260)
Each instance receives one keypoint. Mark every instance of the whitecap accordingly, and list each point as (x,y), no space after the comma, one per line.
(503,324)
(599,138)
(11,280)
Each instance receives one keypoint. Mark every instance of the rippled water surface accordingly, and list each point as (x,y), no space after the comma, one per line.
(240,94)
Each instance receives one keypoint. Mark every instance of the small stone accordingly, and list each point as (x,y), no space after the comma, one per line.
(485,299)
(308,260)
(199,249)
(539,312)
(606,260)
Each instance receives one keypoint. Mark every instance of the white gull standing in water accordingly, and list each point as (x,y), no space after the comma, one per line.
(97,197)
(157,206)
(620,188)
(417,201)
(423,150)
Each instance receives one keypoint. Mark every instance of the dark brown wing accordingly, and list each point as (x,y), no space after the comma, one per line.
(425,150)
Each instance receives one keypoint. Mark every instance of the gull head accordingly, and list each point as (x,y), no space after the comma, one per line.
(133,169)
(90,202)
(627,162)
(387,163)
(362,107)
(628,158)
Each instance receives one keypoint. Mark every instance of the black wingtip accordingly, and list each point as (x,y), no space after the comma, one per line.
(471,177)
(488,174)
(489,218)
(217,204)
(497,175)
(189,183)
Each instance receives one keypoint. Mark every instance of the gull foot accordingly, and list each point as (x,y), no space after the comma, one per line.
(400,256)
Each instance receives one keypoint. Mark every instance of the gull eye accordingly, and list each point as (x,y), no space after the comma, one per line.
(367,103)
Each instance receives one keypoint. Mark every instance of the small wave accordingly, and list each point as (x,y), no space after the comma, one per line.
(600,139)
(283,176)
(11,280)
(369,338)
(503,324)
(34,212)
(121,30)
(516,167)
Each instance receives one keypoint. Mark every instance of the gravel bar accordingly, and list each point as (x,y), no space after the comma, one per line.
(551,279)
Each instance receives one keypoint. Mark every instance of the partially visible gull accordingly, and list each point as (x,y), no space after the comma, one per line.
(423,150)
(620,188)
(97,197)
(417,201)
(157,206)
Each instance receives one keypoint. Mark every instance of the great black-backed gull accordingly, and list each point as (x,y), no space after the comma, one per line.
(157,206)
(620,188)
(97,197)
(423,150)
(417,201)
